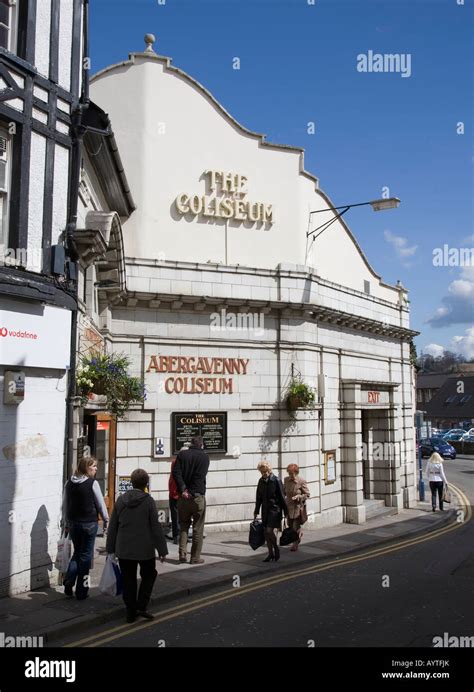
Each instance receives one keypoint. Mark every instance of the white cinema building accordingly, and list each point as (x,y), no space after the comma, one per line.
(221,298)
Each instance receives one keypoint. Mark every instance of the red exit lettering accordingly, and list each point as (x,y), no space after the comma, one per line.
(373,397)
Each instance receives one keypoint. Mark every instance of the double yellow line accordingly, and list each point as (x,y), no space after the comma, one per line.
(124,630)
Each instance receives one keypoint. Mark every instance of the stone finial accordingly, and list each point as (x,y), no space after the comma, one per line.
(149,40)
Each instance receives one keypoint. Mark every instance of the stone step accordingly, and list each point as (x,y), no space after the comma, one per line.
(377,508)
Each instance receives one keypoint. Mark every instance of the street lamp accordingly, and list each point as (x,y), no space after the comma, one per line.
(376,204)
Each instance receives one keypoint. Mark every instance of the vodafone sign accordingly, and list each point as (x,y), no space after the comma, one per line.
(17,335)
(34,335)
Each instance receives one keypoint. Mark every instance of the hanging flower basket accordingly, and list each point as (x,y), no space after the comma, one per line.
(294,402)
(107,375)
(99,387)
(299,395)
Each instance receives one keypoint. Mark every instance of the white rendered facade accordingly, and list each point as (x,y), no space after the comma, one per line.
(222,286)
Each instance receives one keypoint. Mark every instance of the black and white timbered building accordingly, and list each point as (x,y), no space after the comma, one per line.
(43,95)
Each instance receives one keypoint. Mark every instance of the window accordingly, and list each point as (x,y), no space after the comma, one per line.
(419,396)
(5,160)
(367,287)
(8,24)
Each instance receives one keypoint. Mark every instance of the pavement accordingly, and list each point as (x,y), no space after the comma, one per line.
(48,613)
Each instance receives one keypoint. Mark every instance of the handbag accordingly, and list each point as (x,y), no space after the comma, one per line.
(288,536)
(111,582)
(446,493)
(303,514)
(256,534)
(63,556)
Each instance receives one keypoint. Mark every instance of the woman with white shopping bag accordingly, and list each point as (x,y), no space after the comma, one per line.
(82,502)
(134,534)
(436,476)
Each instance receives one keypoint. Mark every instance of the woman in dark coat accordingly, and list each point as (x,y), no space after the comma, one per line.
(271,499)
(134,535)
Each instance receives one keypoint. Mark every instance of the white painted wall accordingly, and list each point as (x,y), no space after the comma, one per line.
(36,200)
(60,192)
(65,43)
(42,39)
(31,463)
(169,131)
(253,433)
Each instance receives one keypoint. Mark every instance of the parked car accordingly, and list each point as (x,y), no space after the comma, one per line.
(468,438)
(437,444)
(454,435)
(469,433)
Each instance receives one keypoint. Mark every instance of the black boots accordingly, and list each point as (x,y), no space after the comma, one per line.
(273,556)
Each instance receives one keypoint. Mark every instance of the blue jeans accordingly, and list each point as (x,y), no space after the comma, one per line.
(83,538)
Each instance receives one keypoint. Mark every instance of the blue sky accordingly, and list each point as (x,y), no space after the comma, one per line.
(298,64)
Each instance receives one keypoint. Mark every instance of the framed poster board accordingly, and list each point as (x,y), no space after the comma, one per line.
(212,427)
(330,467)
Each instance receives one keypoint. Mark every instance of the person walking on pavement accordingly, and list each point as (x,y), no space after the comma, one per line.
(173,503)
(296,494)
(189,472)
(82,502)
(271,499)
(134,534)
(437,479)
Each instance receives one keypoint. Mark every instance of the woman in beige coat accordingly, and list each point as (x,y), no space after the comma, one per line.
(296,494)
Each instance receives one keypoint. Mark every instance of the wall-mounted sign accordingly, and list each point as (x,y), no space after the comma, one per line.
(14,387)
(212,427)
(124,484)
(374,397)
(203,366)
(34,335)
(103,425)
(225,201)
(330,467)
(160,446)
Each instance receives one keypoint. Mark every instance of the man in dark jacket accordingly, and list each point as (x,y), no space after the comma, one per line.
(189,472)
(134,533)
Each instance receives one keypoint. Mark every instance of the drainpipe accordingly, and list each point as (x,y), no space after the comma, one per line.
(279,388)
(78,131)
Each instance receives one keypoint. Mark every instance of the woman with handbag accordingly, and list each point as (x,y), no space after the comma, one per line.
(271,499)
(296,494)
(437,479)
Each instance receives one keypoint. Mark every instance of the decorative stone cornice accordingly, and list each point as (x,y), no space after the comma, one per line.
(308,311)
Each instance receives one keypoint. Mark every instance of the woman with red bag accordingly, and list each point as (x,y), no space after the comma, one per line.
(296,494)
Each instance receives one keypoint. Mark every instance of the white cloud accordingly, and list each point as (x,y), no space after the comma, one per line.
(462,345)
(400,246)
(434,350)
(458,305)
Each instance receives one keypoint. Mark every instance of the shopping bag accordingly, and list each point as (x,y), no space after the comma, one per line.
(111,580)
(256,534)
(288,536)
(446,493)
(64,553)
